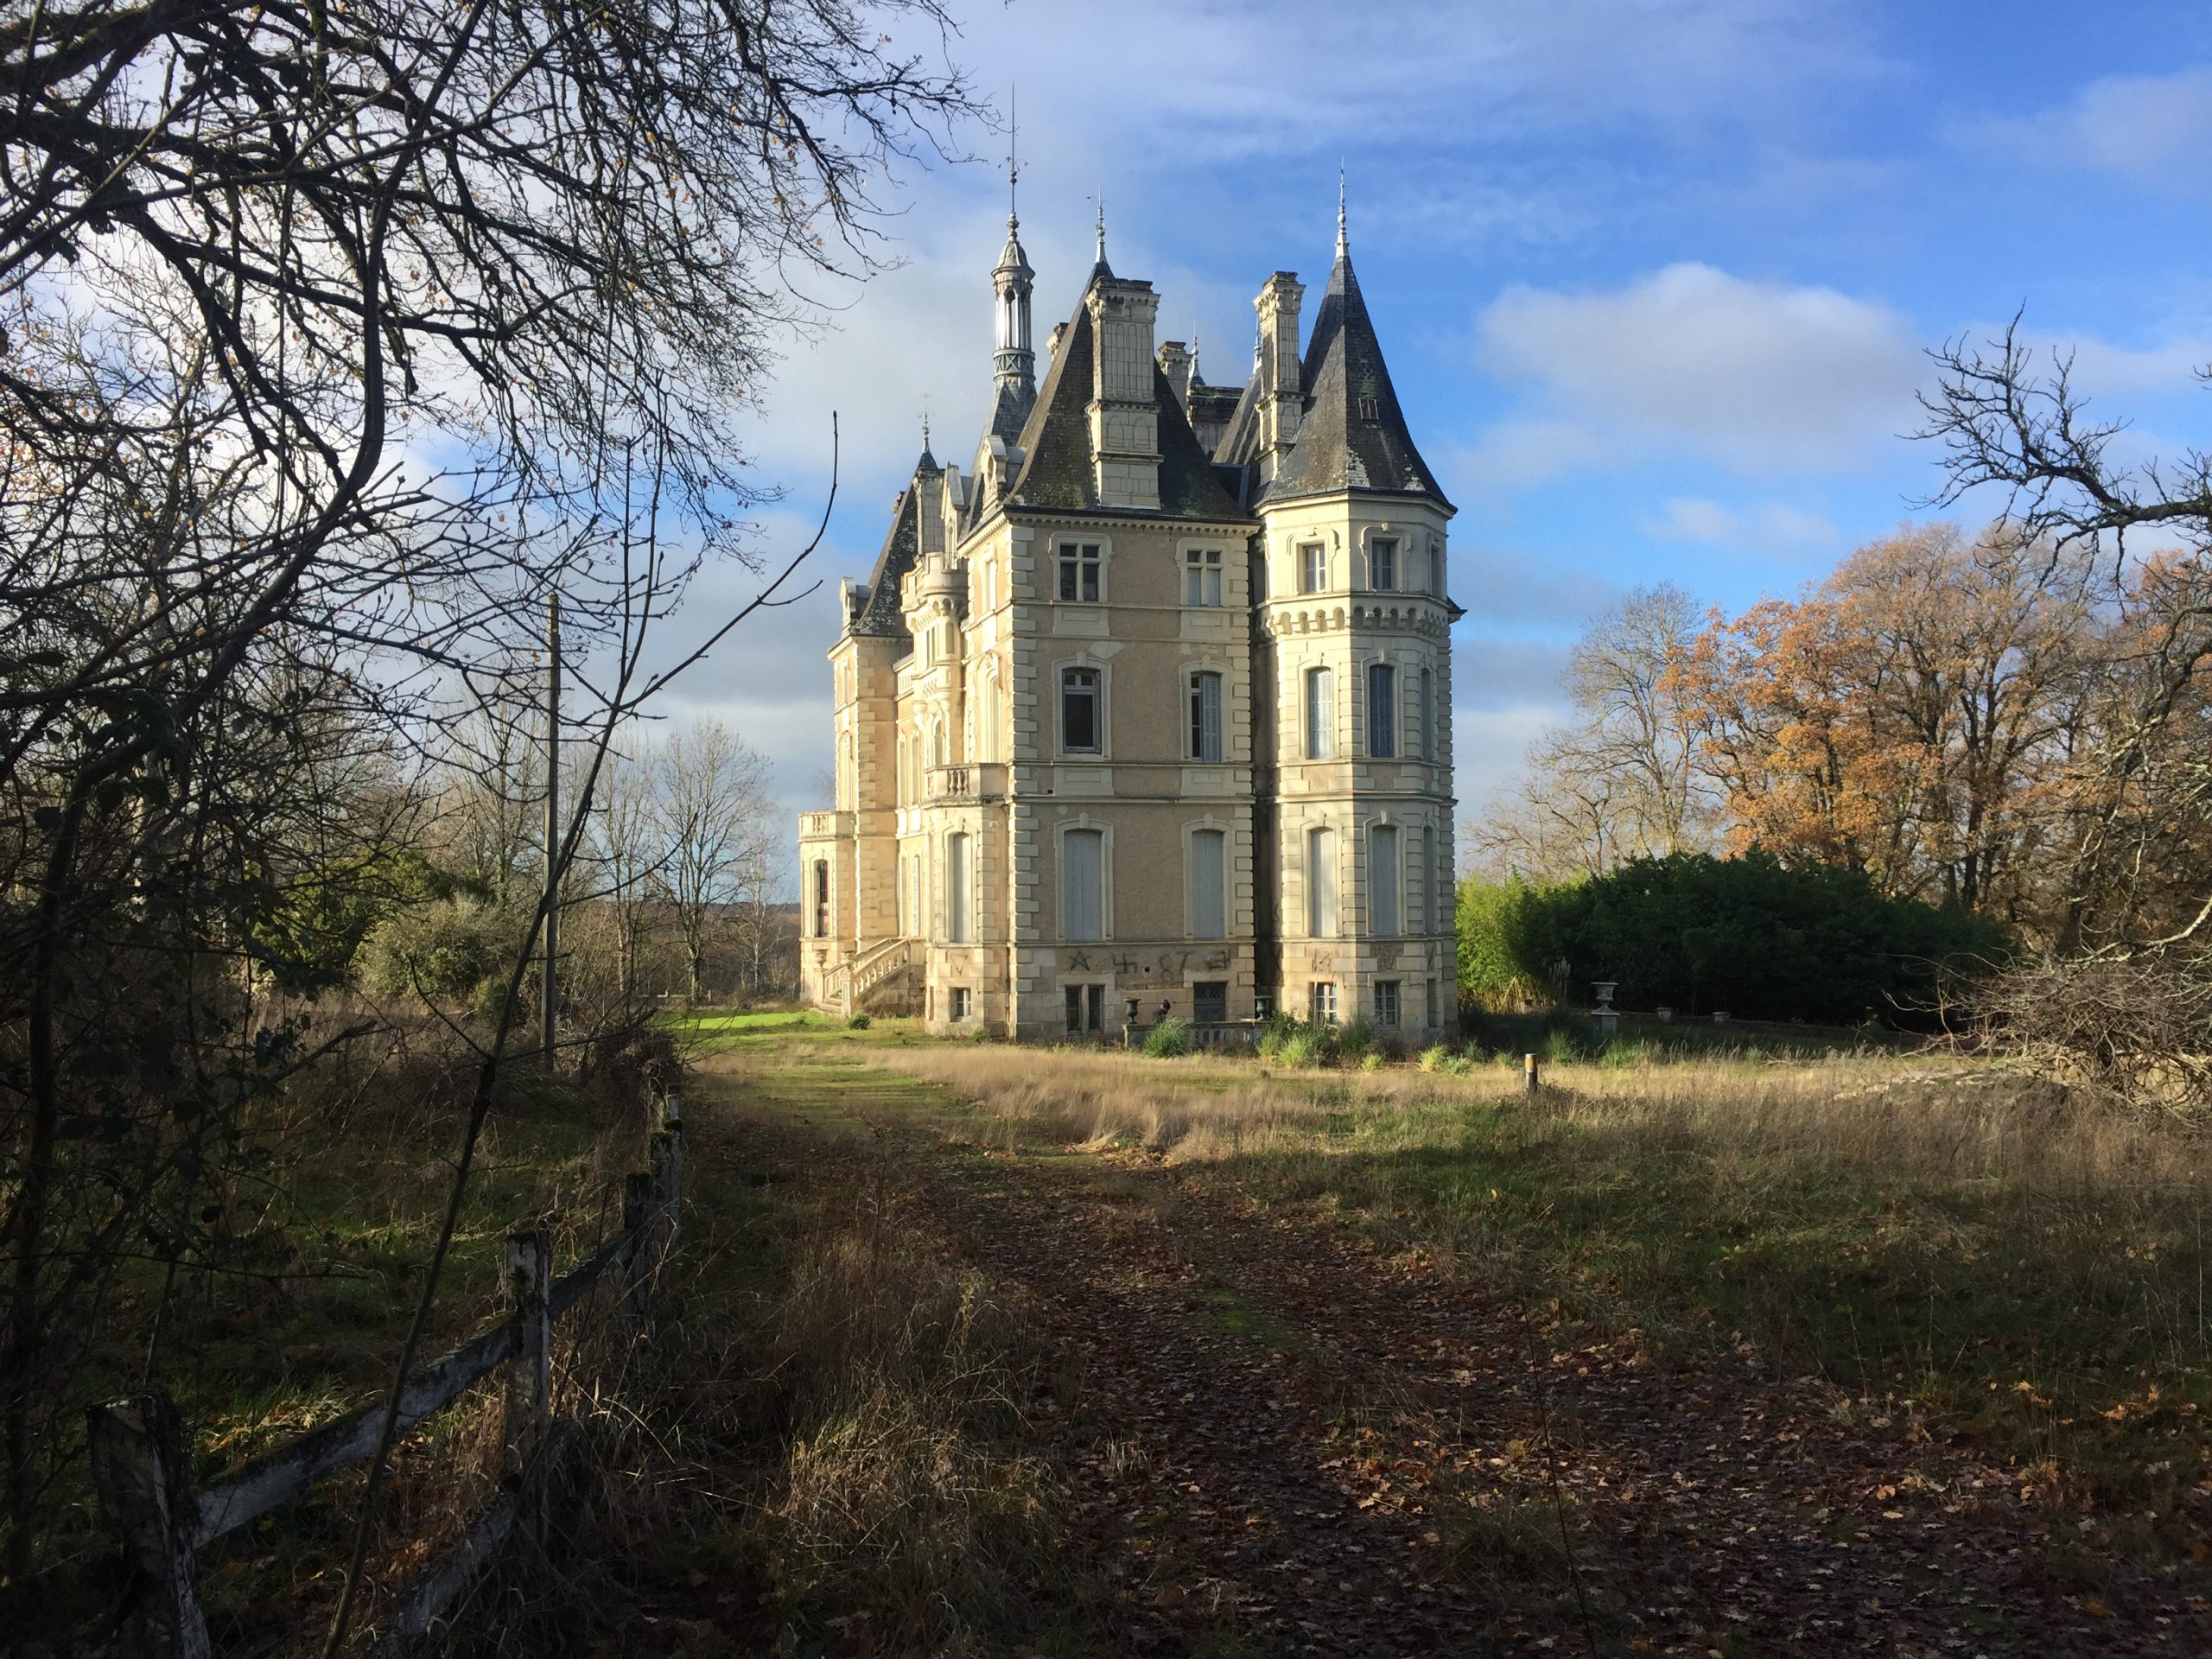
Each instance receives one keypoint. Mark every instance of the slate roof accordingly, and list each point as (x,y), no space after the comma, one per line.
(1056,439)
(883,614)
(1340,445)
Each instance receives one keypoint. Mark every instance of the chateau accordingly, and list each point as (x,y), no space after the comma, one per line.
(1152,703)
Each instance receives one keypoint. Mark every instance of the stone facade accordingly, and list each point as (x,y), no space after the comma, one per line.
(1152,703)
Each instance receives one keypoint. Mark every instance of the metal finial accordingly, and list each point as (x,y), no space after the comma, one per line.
(1342,247)
(1012,169)
(1100,200)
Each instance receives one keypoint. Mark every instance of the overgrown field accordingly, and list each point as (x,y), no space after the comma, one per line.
(1939,1241)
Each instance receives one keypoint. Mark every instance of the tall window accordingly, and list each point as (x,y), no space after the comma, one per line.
(821,898)
(1086,1009)
(1426,715)
(1382,710)
(1321,1002)
(1383,565)
(1080,731)
(1320,713)
(1385,1001)
(1313,568)
(1321,884)
(1202,577)
(1082,884)
(1079,571)
(1209,909)
(1205,718)
(956,889)
(1432,880)
(1436,569)
(1382,880)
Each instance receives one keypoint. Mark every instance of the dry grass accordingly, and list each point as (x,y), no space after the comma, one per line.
(2025,1262)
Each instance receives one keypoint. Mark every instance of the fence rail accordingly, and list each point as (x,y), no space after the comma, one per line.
(142,1462)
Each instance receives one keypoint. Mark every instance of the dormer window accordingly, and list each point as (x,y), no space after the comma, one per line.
(1370,410)
(1079,563)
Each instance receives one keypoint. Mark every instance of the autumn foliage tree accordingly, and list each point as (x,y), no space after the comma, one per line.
(1916,717)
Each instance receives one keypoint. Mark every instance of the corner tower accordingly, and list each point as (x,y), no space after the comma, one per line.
(1351,640)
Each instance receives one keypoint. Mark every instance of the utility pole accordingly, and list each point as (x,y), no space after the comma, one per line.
(548,1007)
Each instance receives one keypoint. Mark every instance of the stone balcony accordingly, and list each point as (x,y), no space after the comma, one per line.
(980,780)
(825,826)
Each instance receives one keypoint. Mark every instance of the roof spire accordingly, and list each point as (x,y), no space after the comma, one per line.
(1012,169)
(1342,248)
(1100,200)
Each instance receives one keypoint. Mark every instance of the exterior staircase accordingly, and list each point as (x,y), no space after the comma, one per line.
(884,979)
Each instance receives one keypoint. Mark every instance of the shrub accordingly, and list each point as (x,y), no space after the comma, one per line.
(1749,934)
(1301,1048)
(1432,1057)
(1168,1040)
(1370,1061)
(1355,1036)
(1560,1047)
(858,1022)
(1269,1045)
(1457,1066)
(446,951)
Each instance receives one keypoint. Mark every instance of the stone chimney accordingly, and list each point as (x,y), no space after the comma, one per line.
(1282,397)
(1124,419)
(1175,363)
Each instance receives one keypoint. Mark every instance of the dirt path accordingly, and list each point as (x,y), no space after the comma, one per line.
(1281,1443)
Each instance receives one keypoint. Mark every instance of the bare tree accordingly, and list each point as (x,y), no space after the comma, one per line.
(1621,781)
(330,340)
(2140,542)
(715,816)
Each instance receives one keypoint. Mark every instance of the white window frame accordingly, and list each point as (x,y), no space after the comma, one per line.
(1100,552)
(1392,1017)
(1321,1002)
(1311,580)
(1205,584)
(1097,671)
(1374,580)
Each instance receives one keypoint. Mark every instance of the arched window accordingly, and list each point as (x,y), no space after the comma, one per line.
(1082,885)
(1209,867)
(1320,713)
(1321,883)
(1382,908)
(1082,727)
(956,889)
(1381,711)
(1205,718)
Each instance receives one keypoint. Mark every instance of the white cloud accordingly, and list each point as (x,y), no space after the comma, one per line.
(2156,129)
(1768,526)
(1757,376)
(1487,748)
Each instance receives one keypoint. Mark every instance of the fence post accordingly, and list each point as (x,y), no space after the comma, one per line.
(530,1373)
(637,1226)
(1530,1080)
(144,1478)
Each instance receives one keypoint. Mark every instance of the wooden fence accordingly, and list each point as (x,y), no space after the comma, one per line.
(141,1464)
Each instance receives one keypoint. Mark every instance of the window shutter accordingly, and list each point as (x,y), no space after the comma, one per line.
(1382,880)
(1082,884)
(1209,919)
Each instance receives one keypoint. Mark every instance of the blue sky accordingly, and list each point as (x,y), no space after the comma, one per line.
(1655,280)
